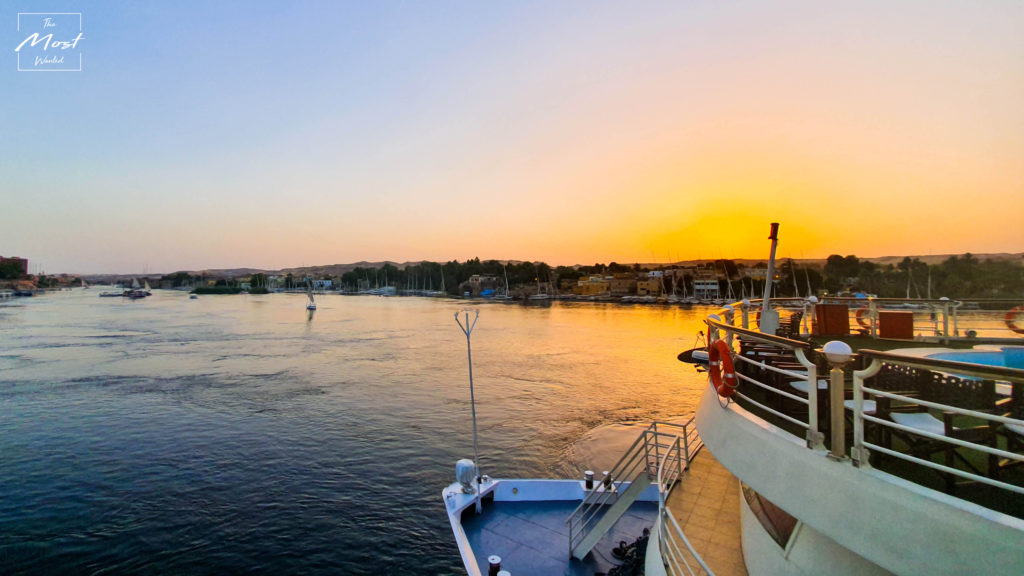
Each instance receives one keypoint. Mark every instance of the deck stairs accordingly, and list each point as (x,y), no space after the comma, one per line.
(612,496)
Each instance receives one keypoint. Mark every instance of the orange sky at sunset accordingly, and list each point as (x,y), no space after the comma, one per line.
(569,134)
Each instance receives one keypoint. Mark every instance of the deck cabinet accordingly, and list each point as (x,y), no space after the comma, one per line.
(833,319)
(897,324)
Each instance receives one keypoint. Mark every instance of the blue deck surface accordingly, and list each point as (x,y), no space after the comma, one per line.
(532,538)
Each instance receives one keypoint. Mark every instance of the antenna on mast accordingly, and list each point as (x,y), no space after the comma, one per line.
(467,329)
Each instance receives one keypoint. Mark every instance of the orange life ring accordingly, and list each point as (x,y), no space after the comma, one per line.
(723,374)
(860,318)
(1011,319)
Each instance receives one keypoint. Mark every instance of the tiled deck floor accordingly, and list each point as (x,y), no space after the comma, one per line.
(532,538)
(706,504)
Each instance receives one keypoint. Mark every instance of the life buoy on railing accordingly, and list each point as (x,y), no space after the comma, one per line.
(1011,319)
(860,318)
(723,374)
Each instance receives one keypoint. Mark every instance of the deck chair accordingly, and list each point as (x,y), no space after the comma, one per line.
(1013,434)
(941,388)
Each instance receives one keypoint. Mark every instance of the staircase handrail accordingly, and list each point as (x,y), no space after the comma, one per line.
(652,449)
(625,469)
(670,470)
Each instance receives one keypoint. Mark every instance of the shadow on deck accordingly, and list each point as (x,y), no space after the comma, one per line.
(532,538)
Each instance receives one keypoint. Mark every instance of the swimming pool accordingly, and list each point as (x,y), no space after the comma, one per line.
(1006,356)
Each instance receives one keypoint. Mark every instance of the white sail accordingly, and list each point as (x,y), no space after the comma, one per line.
(309,294)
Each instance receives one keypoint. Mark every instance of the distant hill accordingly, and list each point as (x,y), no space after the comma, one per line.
(932,259)
(339,269)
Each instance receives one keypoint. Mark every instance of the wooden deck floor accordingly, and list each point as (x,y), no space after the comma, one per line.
(706,504)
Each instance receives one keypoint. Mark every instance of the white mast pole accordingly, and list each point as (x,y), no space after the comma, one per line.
(467,328)
(770,323)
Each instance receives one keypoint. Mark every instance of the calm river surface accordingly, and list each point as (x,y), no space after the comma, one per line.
(232,433)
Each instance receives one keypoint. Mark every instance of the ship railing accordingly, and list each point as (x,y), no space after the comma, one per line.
(761,368)
(951,374)
(639,463)
(938,318)
(606,491)
(676,549)
(973,455)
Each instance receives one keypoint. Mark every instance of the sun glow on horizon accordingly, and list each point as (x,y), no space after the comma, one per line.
(568,134)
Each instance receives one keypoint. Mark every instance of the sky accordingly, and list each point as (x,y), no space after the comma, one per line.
(276,134)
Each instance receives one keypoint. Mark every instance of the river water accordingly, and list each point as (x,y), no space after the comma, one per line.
(236,434)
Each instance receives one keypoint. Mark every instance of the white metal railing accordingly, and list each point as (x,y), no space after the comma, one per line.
(643,457)
(971,371)
(947,322)
(722,326)
(605,492)
(939,318)
(672,540)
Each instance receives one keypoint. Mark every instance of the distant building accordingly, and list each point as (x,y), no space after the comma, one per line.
(706,288)
(622,284)
(21,263)
(595,285)
(478,284)
(649,287)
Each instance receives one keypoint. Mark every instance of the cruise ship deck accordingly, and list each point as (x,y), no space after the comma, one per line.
(706,504)
(532,537)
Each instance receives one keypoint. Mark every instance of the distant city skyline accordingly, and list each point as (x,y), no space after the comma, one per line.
(274,135)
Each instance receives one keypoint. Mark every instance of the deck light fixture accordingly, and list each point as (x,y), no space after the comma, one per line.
(838,352)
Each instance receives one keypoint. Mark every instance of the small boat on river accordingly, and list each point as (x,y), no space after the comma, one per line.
(311,305)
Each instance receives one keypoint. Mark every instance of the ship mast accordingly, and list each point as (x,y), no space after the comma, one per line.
(770,318)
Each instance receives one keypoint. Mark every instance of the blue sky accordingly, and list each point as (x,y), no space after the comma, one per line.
(278,134)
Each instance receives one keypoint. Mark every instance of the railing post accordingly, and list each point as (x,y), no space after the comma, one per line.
(647,448)
(657,450)
(873,317)
(713,330)
(745,314)
(814,438)
(945,316)
(859,454)
(956,325)
(686,446)
(838,354)
(730,314)
(679,462)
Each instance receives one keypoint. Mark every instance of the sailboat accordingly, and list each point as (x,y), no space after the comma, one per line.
(309,293)
(542,293)
(506,295)
(136,291)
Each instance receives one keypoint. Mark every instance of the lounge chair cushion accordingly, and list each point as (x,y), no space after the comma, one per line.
(801,385)
(868,405)
(921,421)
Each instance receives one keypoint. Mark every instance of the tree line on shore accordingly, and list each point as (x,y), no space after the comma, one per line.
(957,277)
